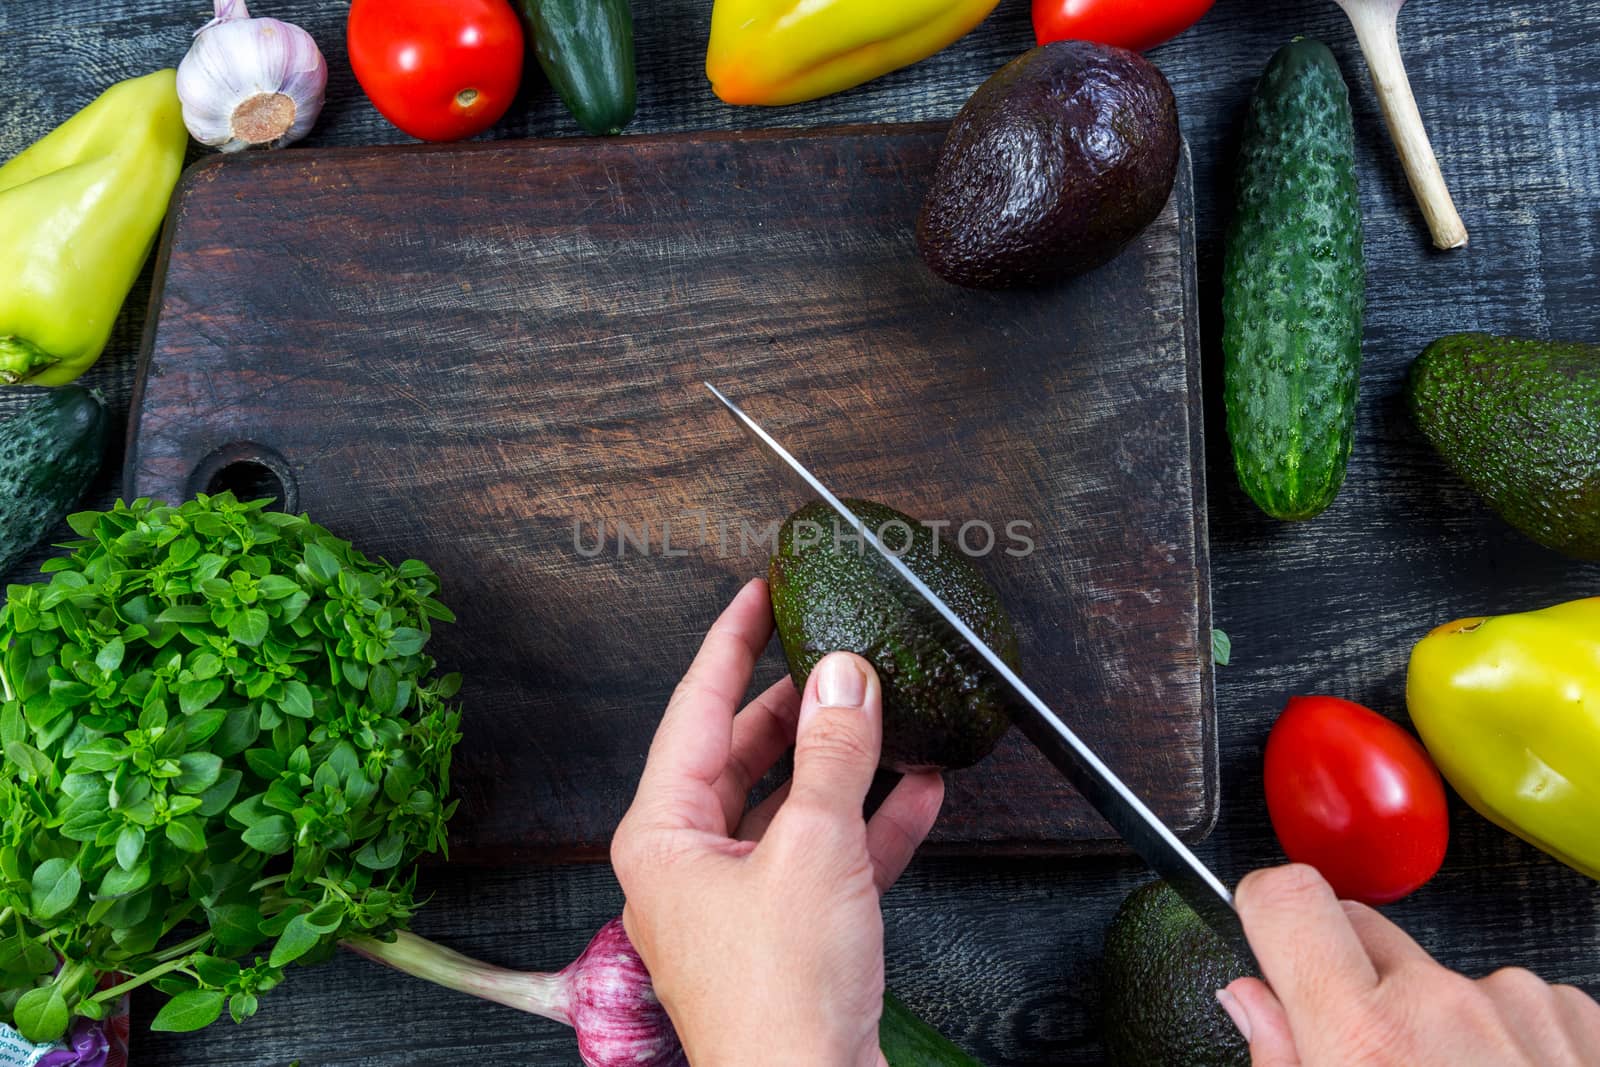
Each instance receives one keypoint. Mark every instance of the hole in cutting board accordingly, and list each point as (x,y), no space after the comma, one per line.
(250,471)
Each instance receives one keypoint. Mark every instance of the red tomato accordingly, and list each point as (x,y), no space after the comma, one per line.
(1356,797)
(1135,24)
(440,71)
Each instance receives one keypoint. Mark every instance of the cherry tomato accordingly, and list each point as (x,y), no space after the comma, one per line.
(1135,24)
(1356,797)
(440,71)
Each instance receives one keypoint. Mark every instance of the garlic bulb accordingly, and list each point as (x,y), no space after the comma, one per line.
(249,81)
(605,994)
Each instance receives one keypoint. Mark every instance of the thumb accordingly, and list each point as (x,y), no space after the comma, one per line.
(839,736)
(1262,1022)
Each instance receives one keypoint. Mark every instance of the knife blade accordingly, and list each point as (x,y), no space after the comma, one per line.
(1133,820)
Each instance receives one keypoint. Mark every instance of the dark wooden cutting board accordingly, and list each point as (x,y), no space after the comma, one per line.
(480,355)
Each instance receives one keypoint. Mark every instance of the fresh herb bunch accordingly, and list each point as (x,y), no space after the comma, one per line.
(219,730)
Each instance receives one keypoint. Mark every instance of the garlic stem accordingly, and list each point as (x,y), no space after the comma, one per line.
(1376,24)
(538,994)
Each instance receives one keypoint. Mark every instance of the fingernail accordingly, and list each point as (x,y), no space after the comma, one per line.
(1236,1012)
(840,683)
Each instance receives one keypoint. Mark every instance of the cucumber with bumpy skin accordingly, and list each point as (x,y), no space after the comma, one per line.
(1293,287)
(49,453)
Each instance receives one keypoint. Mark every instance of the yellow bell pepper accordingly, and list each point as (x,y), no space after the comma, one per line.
(79,212)
(786,51)
(1509,707)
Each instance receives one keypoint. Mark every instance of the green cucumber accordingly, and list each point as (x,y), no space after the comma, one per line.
(1293,287)
(907,1041)
(49,453)
(586,50)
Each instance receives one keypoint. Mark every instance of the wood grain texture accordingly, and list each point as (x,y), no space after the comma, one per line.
(1002,954)
(490,357)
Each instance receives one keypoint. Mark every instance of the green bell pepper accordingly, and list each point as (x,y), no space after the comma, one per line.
(79,213)
(1509,707)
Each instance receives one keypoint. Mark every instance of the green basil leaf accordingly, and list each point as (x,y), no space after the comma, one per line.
(239,731)
(407,641)
(154,715)
(325,779)
(100,755)
(199,727)
(294,607)
(30,760)
(271,835)
(119,883)
(215,800)
(237,927)
(41,1014)
(296,699)
(216,971)
(298,938)
(322,563)
(326,917)
(182,805)
(198,771)
(130,843)
(249,627)
(1221,648)
(129,910)
(187,834)
(193,1010)
(185,614)
(110,657)
(276,587)
(205,666)
(192,696)
(56,883)
(283,795)
(381,685)
(242,1006)
(216,589)
(382,854)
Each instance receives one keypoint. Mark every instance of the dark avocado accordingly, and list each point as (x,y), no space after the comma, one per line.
(941,708)
(1162,970)
(1519,421)
(1053,165)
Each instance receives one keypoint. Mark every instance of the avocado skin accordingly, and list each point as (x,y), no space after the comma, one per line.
(1053,165)
(941,708)
(1519,421)
(1293,287)
(1162,970)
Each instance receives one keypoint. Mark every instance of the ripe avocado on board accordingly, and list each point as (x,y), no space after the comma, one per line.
(1519,421)
(941,709)
(1162,970)
(1293,287)
(1053,165)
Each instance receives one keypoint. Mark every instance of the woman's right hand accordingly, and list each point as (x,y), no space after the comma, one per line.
(1348,988)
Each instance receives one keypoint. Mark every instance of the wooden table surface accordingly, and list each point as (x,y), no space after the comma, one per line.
(1003,955)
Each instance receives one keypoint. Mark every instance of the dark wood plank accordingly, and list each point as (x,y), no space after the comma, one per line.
(1002,954)
(491,358)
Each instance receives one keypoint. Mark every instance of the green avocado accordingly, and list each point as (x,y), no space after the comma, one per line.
(1162,970)
(941,708)
(1519,421)
(1053,165)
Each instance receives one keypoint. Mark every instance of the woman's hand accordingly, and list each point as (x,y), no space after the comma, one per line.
(761,928)
(1350,989)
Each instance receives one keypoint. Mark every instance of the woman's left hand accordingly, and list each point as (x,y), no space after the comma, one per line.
(761,928)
